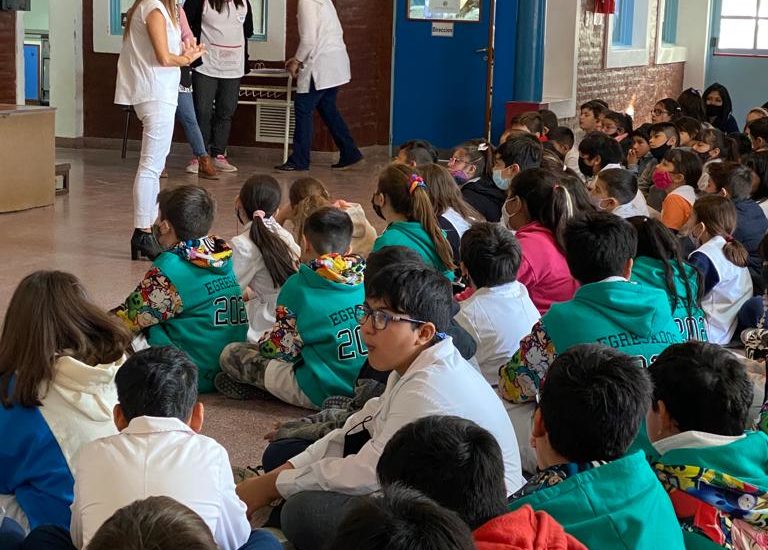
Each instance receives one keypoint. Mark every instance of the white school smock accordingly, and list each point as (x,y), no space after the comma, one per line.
(249,268)
(140,77)
(224,40)
(723,302)
(439,382)
(321,47)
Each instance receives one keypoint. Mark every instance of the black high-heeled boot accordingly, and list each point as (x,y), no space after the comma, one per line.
(144,244)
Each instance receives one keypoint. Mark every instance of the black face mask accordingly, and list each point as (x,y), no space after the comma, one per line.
(659,152)
(714,110)
(586,169)
(377,208)
(704,156)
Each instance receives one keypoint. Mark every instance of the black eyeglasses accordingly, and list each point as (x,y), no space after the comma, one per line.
(380,318)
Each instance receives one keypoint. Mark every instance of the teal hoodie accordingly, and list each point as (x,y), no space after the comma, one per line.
(412,235)
(650,272)
(618,505)
(720,493)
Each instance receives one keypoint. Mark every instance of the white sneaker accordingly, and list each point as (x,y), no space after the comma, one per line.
(192,167)
(222,164)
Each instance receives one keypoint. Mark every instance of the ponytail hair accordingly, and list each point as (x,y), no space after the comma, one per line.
(407,194)
(718,214)
(260,198)
(548,201)
(304,187)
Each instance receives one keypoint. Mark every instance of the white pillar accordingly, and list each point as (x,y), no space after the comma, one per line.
(66,38)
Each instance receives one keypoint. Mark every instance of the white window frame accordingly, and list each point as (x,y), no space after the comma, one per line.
(671,53)
(742,52)
(561,55)
(638,54)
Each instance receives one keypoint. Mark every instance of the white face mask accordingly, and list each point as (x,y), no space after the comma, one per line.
(505,215)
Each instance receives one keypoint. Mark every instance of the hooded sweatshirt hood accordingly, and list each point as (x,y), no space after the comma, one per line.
(412,235)
(524,529)
(90,389)
(338,268)
(209,252)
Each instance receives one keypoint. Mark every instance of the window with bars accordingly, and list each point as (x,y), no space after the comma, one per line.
(623,23)
(743,27)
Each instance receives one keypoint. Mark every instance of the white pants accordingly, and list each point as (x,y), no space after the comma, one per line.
(280,381)
(157,118)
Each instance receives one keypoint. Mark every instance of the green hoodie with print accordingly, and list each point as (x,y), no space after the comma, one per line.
(412,235)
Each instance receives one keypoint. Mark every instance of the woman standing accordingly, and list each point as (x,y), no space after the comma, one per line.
(224,26)
(148,79)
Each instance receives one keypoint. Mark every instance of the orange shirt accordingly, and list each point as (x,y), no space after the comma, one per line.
(677,207)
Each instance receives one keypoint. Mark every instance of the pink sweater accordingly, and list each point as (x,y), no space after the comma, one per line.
(186,32)
(543,269)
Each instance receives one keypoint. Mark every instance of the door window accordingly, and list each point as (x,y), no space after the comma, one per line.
(743,27)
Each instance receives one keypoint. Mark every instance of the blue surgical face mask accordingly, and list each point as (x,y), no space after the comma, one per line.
(500,181)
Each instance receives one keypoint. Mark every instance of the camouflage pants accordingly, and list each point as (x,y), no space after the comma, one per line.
(244,363)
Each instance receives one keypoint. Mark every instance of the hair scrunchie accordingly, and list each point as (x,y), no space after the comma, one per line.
(259,214)
(416,182)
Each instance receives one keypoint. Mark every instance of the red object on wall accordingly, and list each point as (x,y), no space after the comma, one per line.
(605,6)
(514,108)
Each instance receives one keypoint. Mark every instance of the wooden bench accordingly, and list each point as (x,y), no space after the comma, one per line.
(62,171)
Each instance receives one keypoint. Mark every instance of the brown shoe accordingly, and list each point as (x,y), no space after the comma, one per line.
(206,169)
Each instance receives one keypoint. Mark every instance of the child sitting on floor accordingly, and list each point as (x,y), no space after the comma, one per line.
(314,349)
(500,312)
(715,473)
(190,298)
(459,465)
(676,175)
(722,261)
(607,309)
(264,255)
(589,411)
(403,320)
(616,191)
(402,200)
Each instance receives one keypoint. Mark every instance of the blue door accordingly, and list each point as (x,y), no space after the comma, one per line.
(32,72)
(739,54)
(440,75)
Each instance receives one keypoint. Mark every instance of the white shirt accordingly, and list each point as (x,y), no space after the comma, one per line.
(154,457)
(438,382)
(636,207)
(694,440)
(140,77)
(321,47)
(497,318)
(224,39)
(251,272)
(454,218)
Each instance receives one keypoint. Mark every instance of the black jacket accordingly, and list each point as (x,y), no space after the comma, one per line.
(751,227)
(485,197)
(194,11)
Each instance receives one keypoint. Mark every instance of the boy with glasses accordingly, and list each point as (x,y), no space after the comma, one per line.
(406,312)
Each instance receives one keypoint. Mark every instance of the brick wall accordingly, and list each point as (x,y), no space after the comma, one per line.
(8,57)
(640,86)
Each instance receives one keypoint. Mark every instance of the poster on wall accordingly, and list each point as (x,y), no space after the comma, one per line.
(444,10)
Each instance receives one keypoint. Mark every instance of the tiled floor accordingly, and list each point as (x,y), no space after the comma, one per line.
(87,233)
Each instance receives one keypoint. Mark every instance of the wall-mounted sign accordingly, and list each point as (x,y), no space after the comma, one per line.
(442,29)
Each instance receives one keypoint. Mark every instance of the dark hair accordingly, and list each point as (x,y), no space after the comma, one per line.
(307,187)
(420,144)
(722,118)
(692,104)
(704,388)
(419,292)
(758,163)
(395,184)
(218,5)
(667,128)
(329,230)
(759,128)
(157,381)
(593,401)
(445,194)
(598,245)
(493,254)
(531,120)
(671,106)
(525,151)
(549,119)
(389,256)
(686,163)
(480,154)
(718,172)
(417,156)
(689,125)
(562,135)
(643,131)
(50,314)
(452,461)
(400,519)
(622,120)
(158,522)
(582,202)
(620,184)
(655,240)
(548,202)
(743,143)
(718,140)
(261,193)
(598,144)
(598,107)
(718,214)
(189,209)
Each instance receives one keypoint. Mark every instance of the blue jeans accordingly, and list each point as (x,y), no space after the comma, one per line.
(185,113)
(325,103)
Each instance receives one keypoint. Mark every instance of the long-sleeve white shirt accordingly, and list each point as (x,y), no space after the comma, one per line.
(321,47)
(438,382)
(157,457)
